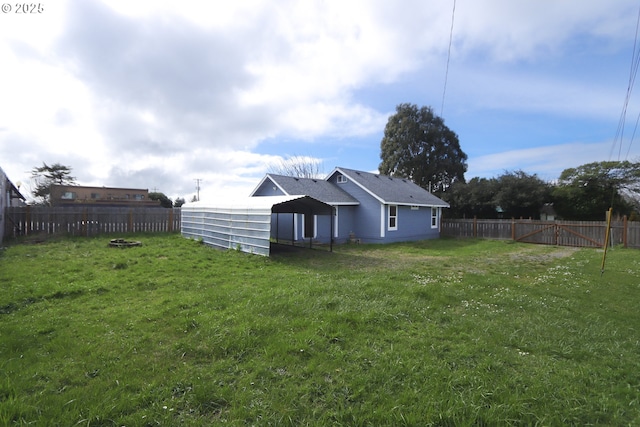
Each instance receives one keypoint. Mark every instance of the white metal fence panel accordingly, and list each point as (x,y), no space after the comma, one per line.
(247,230)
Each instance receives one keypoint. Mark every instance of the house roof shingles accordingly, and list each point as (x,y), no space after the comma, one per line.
(319,189)
(392,190)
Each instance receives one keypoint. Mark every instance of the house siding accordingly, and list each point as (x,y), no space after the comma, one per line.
(370,218)
(366,216)
(268,188)
(412,225)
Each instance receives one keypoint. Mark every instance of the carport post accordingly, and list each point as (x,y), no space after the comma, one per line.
(293,229)
(331,219)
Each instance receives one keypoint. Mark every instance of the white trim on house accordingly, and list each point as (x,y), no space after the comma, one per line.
(268,177)
(390,217)
(304,226)
(435,217)
(383,221)
(366,189)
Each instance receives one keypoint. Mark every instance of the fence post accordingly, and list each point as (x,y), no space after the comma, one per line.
(85,225)
(27,229)
(170,227)
(130,222)
(475,226)
(624,231)
(513,228)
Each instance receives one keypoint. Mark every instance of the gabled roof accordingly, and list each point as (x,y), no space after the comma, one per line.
(318,189)
(391,190)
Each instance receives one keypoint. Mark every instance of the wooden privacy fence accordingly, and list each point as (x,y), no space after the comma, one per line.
(562,233)
(89,221)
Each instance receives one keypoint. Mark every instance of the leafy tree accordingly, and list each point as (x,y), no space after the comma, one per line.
(47,175)
(165,202)
(471,199)
(588,191)
(179,202)
(419,146)
(514,194)
(519,194)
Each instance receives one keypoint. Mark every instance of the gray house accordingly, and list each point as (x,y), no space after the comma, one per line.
(368,208)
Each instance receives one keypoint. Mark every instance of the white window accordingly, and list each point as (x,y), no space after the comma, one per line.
(68,195)
(393,217)
(341,179)
(434,217)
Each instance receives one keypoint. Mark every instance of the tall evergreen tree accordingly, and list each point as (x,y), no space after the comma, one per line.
(419,146)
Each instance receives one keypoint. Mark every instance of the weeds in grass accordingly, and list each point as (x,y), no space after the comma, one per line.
(444,332)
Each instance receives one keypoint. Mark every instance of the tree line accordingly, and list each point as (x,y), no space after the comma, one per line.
(419,146)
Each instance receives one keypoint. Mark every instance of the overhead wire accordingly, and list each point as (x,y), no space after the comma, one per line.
(446,73)
(635,63)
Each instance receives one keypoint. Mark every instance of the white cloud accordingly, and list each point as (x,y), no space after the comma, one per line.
(158,93)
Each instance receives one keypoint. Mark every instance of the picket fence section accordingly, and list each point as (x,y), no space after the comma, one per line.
(561,233)
(89,221)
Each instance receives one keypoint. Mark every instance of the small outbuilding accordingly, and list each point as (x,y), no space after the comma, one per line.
(246,224)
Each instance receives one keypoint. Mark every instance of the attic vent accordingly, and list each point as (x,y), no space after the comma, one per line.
(296,179)
(314,180)
(390,179)
(404,180)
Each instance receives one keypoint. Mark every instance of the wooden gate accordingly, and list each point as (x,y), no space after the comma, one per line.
(562,233)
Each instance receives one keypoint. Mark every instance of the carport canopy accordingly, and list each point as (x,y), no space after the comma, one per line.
(301,205)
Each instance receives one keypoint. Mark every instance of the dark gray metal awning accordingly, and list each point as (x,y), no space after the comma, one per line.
(303,205)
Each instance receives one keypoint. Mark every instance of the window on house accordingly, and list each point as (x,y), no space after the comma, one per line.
(95,195)
(341,179)
(393,217)
(68,195)
(138,196)
(434,217)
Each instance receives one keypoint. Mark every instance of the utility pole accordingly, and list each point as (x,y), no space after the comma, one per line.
(198,180)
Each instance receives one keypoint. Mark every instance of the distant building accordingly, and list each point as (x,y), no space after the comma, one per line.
(76,195)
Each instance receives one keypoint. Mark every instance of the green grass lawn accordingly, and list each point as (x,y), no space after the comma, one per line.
(445,332)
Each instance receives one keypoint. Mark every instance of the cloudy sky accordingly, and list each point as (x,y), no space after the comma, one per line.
(156,94)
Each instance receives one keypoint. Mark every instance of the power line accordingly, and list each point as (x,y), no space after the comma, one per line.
(635,63)
(446,73)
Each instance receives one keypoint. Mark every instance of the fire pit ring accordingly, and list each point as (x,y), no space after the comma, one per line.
(121,243)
